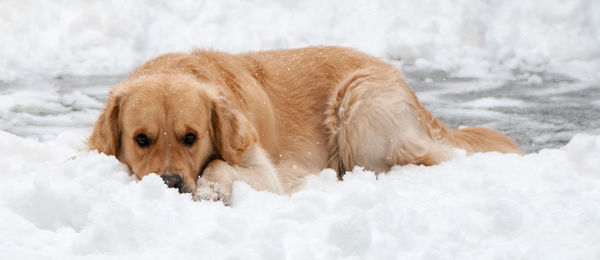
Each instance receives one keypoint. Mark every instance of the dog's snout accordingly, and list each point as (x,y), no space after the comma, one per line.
(174,180)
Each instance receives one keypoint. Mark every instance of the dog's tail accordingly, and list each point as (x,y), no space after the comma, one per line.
(471,139)
(481,139)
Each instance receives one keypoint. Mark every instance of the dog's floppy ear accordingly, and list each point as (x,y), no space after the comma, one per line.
(231,132)
(106,137)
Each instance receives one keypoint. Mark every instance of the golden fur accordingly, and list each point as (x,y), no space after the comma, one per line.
(270,118)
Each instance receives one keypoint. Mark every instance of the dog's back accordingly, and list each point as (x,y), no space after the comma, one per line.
(355,109)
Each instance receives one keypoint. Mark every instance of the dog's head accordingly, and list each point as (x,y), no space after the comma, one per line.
(171,125)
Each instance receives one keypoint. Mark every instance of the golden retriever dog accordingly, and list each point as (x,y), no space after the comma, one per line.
(206,119)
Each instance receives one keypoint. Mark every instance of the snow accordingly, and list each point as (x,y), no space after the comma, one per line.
(467,38)
(528,69)
(489,102)
(58,200)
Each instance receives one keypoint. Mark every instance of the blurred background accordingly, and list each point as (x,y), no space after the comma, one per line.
(527,68)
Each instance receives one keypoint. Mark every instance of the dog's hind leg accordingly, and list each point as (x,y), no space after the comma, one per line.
(374,120)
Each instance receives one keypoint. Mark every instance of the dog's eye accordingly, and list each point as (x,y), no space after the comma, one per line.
(142,140)
(189,139)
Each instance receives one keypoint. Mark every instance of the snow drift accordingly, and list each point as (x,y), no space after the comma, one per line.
(57,199)
(460,36)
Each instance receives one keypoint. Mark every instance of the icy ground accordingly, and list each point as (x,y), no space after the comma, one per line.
(528,69)
(544,114)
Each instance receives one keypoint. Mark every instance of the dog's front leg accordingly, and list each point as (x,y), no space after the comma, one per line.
(216,181)
(255,169)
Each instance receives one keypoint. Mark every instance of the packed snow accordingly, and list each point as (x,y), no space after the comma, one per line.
(529,69)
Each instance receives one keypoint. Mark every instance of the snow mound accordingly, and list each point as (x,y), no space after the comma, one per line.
(583,153)
(59,200)
(483,38)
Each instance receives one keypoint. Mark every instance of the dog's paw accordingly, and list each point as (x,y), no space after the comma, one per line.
(208,190)
(216,182)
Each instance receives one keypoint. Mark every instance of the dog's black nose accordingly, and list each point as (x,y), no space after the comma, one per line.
(173,180)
